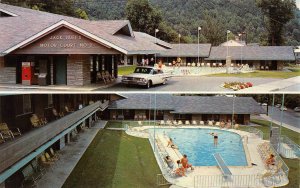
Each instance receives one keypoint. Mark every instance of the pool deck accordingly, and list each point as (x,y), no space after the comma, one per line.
(250,148)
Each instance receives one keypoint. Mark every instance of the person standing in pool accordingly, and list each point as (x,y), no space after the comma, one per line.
(216,137)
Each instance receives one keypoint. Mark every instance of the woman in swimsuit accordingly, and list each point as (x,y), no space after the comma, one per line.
(171,144)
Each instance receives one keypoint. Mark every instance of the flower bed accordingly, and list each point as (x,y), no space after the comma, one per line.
(237,85)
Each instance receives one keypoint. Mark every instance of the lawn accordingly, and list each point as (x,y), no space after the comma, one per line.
(121,124)
(293,164)
(115,159)
(125,70)
(262,74)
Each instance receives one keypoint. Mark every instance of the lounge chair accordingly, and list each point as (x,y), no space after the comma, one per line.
(214,64)
(210,123)
(208,64)
(49,158)
(140,123)
(144,117)
(169,122)
(217,124)
(135,117)
(194,122)
(201,122)
(44,162)
(36,121)
(198,64)
(236,126)
(175,122)
(162,122)
(180,122)
(53,154)
(1,139)
(187,122)
(8,133)
(220,65)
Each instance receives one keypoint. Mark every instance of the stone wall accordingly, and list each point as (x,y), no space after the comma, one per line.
(78,70)
(7,75)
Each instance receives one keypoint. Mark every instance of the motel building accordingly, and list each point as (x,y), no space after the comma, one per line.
(185,108)
(32,124)
(39,48)
(48,49)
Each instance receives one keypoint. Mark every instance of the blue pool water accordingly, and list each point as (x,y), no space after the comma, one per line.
(198,145)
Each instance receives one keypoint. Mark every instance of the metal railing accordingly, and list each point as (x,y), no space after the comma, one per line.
(252,180)
(288,148)
(255,131)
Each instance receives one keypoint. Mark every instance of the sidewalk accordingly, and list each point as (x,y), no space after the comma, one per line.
(283,124)
(70,155)
(274,86)
(58,88)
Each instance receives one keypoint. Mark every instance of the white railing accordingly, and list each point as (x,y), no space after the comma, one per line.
(255,131)
(253,180)
(288,148)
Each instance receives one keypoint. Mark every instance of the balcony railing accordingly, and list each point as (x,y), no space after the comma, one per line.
(14,151)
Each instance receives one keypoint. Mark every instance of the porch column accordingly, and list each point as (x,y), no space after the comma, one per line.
(125,60)
(135,60)
(68,138)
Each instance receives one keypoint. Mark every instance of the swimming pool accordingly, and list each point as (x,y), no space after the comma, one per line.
(199,146)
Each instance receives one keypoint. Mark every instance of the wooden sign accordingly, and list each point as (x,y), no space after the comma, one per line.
(65,41)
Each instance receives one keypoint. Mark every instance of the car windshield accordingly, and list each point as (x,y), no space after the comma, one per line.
(142,70)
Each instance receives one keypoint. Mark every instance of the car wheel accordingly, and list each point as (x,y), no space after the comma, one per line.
(164,82)
(149,84)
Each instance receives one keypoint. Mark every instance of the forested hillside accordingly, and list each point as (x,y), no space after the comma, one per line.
(185,16)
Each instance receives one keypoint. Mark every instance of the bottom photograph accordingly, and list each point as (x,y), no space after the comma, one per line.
(149,140)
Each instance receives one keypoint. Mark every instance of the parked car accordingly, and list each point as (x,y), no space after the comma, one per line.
(283,108)
(264,104)
(297,109)
(146,76)
(278,105)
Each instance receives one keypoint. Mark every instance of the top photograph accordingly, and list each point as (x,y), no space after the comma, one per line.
(150,46)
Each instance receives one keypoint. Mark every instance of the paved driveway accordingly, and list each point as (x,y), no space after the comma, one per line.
(191,84)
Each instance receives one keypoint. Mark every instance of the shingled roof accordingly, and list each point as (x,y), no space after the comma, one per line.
(28,22)
(190,104)
(187,50)
(279,53)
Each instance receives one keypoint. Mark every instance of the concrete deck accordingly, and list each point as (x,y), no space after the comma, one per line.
(69,157)
(251,153)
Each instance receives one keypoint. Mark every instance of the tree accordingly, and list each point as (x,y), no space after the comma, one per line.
(65,7)
(142,16)
(278,13)
(213,29)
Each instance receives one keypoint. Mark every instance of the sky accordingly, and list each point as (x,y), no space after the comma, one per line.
(298,3)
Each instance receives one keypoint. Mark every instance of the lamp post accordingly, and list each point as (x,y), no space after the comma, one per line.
(156,31)
(241,39)
(227,40)
(232,117)
(199,29)
(228,59)
(179,36)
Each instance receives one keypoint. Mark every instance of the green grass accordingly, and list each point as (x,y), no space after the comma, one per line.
(265,128)
(293,164)
(262,74)
(120,124)
(125,70)
(115,159)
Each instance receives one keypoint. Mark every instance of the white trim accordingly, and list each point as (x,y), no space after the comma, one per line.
(7,12)
(65,23)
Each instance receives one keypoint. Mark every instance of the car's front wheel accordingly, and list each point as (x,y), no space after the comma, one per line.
(164,81)
(149,84)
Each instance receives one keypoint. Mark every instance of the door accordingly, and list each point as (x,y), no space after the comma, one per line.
(60,63)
